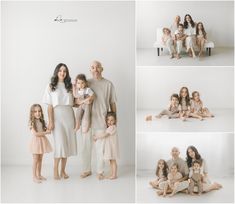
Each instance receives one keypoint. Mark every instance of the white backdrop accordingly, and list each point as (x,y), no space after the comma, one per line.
(217,17)
(33,44)
(156,85)
(215,148)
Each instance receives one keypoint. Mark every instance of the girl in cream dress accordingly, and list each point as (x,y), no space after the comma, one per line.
(58,97)
(111,149)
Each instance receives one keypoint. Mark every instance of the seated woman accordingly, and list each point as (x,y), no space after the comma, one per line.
(190,31)
(193,155)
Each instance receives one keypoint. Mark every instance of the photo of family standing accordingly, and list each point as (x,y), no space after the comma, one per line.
(97,112)
(117,101)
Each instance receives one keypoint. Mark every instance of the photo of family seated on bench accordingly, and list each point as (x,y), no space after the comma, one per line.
(184,33)
(187,35)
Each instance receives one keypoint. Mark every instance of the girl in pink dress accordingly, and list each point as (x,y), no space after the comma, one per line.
(111,148)
(39,143)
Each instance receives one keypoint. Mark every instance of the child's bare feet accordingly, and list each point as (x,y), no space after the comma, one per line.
(158,116)
(112,177)
(178,56)
(56,176)
(76,129)
(36,180)
(42,178)
(159,193)
(85,174)
(148,118)
(183,118)
(64,175)
(171,194)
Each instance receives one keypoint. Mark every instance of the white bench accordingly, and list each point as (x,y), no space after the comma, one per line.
(160,46)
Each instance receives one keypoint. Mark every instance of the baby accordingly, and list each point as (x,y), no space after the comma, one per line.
(195,177)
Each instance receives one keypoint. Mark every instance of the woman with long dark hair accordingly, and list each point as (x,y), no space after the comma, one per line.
(190,31)
(58,96)
(193,155)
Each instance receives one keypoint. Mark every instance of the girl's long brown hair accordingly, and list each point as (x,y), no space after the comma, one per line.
(165,168)
(187,98)
(203,29)
(32,119)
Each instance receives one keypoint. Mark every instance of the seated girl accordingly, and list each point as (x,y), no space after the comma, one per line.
(168,41)
(197,106)
(161,173)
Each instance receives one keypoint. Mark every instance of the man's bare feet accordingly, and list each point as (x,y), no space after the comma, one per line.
(172,56)
(85,174)
(100,176)
(148,118)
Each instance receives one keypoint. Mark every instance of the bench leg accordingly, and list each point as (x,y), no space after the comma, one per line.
(158,51)
(162,49)
(209,51)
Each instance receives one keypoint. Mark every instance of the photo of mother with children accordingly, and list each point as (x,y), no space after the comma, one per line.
(95,104)
(177,175)
(188,34)
(182,106)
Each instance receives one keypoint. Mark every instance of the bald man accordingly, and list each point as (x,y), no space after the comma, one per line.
(105,100)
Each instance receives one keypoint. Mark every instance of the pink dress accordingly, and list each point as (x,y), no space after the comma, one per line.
(111,148)
(39,145)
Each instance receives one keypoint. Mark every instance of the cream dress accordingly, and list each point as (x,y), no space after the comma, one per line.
(65,142)
(111,148)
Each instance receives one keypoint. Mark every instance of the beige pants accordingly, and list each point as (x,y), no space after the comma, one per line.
(85,149)
(179,46)
(169,114)
(86,140)
(83,115)
(170,46)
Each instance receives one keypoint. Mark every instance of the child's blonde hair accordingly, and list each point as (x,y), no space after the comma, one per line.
(166,29)
(32,123)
